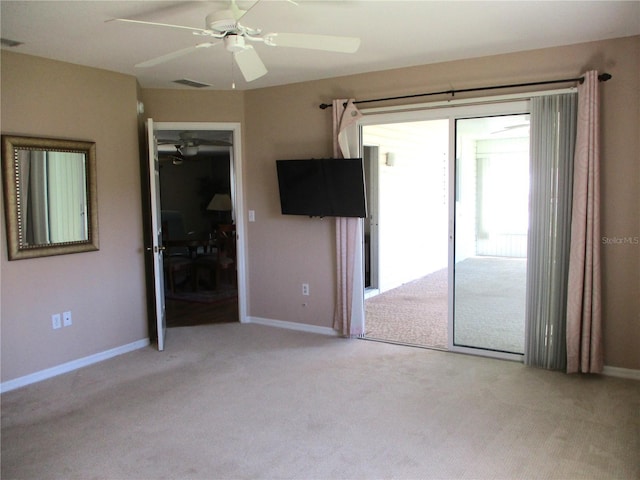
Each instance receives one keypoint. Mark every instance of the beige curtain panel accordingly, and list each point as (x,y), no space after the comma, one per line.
(584,317)
(349,313)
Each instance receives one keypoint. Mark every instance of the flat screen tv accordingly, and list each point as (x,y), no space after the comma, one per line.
(327,187)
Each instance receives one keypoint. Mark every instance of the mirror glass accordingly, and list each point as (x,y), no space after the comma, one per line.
(50,196)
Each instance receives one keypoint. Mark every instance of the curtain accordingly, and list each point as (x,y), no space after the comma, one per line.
(553,133)
(349,314)
(37,220)
(584,322)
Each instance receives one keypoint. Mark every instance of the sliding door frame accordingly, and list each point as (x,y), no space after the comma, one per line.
(514,107)
(452,110)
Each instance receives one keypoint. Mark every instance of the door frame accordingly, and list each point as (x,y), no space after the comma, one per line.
(237,192)
(370,156)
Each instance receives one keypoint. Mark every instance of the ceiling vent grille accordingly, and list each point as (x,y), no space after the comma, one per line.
(191,83)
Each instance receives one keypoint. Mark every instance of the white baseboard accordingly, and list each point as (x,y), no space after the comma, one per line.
(70,366)
(303,327)
(114,352)
(621,372)
(609,371)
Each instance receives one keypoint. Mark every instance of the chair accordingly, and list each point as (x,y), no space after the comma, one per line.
(178,265)
(226,240)
(220,261)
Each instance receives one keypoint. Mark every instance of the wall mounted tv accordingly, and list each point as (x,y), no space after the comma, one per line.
(327,187)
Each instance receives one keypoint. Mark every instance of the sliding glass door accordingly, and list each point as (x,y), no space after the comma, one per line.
(451,189)
(491,224)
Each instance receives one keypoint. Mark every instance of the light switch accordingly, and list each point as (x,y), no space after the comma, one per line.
(252,215)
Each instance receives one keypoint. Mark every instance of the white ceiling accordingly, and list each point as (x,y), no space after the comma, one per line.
(393,34)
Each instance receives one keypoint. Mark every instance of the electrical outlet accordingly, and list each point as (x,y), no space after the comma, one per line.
(66,319)
(305,289)
(56,321)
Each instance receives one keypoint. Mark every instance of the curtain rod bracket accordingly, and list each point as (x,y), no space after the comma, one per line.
(603,77)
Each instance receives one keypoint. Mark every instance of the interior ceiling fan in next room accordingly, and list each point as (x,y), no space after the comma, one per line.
(188,144)
(224,26)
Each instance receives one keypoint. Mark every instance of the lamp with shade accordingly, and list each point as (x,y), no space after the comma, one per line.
(222,206)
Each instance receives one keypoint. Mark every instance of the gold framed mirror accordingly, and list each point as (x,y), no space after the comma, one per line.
(50,196)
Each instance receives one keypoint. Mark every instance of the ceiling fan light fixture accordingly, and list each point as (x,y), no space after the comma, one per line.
(234,43)
(189,150)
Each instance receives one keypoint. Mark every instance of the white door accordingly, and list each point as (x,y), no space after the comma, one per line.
(156,247)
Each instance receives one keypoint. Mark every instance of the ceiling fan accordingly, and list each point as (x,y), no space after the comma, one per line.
(177,159)
(224,25)
(188,144)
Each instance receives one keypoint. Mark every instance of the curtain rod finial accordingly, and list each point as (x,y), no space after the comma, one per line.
(324,106)
(603,77)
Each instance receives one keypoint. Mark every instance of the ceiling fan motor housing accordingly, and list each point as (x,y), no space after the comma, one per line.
(221,21)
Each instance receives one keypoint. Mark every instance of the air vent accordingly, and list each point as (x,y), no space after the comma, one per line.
(9,43)
(191,83)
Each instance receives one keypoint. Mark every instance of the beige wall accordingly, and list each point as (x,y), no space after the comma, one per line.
(164,105)
(285,122)
(105,289)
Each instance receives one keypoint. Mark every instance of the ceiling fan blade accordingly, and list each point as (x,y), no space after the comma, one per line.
(214,143)
(170,56)
(250,64)
(195,142)
(156,24)
(329,43)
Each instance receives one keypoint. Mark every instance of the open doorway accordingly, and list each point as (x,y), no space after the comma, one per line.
(406,234)
(198,224)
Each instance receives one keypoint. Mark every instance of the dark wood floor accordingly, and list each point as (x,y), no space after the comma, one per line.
(182,314)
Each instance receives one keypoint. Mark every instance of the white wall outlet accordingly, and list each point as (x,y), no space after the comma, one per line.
(66,319)
(252,215)
(305,289)
(56,321)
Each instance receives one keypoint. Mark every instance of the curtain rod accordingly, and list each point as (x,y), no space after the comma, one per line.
(603,77)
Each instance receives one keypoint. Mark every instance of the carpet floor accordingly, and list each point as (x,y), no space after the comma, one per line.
(415,313)
(238,401)
(490,298)
(489,307)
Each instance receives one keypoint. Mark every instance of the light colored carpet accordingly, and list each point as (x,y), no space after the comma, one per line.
(490,298)
(233,401)
(489,307)
(414,313)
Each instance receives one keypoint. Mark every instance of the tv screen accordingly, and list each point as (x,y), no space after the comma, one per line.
(328,187)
